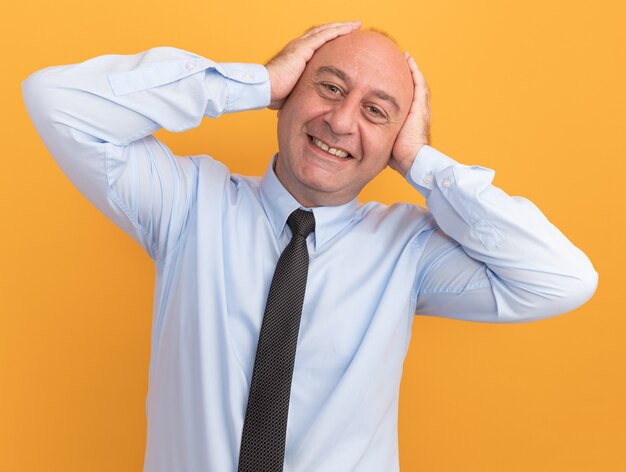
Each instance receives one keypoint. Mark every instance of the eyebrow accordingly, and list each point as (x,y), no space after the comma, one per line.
(343,76)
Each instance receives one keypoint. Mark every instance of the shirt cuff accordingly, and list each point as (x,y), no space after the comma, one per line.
(248,86)
(156,74)
(426,165)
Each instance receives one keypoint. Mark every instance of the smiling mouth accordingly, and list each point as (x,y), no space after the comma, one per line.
(330,150)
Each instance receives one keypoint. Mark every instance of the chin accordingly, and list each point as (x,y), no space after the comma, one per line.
(320,179)
(326,193)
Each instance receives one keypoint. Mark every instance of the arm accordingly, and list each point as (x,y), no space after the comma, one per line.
(493,257)
(96,118)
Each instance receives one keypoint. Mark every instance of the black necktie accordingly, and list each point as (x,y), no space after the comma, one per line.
(265,426)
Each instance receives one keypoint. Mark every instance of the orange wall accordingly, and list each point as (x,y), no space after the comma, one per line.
(533,89)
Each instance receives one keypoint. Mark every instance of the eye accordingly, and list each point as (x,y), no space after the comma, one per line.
(332,88)
(375,114)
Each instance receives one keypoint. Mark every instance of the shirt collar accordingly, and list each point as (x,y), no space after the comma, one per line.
(278,204)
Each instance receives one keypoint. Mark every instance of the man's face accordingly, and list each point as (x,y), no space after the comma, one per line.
(337,128)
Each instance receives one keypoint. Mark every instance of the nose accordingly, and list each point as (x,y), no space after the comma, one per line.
(342,118)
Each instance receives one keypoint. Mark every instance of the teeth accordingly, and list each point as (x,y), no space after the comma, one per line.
(330,150)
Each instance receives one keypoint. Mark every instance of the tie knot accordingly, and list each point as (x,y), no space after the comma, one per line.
(301,222)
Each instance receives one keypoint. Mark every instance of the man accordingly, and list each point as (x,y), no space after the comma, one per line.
(349,105)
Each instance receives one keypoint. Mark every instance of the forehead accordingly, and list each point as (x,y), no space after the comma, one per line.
(369,61)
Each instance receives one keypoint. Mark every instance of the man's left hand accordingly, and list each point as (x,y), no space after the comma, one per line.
(416,129)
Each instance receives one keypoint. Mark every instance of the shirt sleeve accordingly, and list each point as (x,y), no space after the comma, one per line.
(96,119)
(492,257)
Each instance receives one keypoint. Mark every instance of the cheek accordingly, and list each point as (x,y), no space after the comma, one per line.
(287,128)
(293,117)
(378,144)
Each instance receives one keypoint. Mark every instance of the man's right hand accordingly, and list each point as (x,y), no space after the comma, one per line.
(286,67)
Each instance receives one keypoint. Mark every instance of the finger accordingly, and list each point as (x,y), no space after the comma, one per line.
(422,92)
(321,36)
(418,78)
(316,41)
(316,29)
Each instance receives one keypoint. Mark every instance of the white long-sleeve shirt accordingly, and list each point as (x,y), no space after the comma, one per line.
(475,254)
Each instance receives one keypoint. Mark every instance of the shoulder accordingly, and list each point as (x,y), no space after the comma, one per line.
(208,164)
(215,180)
(400,215)
(211,169)
(403,223)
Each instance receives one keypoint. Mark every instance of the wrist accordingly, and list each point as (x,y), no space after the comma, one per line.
(404,163)
(274,102)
